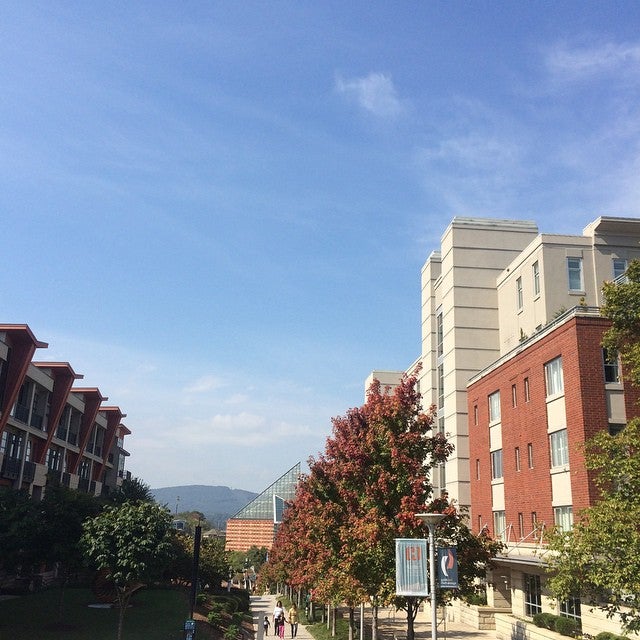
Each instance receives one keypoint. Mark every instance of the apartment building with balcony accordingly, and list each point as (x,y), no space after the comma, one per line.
(50,430)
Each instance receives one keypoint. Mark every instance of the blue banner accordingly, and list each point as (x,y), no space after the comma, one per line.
(412,560)
(447,568)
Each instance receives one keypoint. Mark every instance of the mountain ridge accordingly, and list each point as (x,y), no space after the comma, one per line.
(217,503)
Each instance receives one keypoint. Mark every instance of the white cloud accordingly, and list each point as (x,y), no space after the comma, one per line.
(375,93)
(586,62)
(205,384)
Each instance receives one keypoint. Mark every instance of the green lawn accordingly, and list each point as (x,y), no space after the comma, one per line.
(155,614)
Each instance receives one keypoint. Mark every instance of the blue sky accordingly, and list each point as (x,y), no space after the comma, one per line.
(217,212)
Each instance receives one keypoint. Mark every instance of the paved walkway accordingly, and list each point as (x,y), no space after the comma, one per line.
(264,605)
(392,625)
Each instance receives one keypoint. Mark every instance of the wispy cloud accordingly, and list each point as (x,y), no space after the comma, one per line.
(205,384)
(374,93)
(578,63)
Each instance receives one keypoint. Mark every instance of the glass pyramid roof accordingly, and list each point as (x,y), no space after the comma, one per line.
(263,506)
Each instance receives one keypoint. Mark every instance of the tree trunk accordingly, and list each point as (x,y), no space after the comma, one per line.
(412,608)
(374,619)
(351,623)
(334,611)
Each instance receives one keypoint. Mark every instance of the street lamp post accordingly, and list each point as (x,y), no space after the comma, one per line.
(431,520)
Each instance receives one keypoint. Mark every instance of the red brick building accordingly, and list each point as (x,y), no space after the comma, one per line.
(530,415)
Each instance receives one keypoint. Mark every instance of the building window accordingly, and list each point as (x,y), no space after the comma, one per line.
(536,278)
(530,455)
(527,397)
(563,518)
(475,414)
(477,469)
(517,453)
(534,521)
(615,429)
(496,464)
(494,407)
(519,301)
(440,387)
(532,595)
(553,377)
(521,524)
(619,267)
(499,525)
(574,268)
(439,334)
(514,395)
(559,448)
(611,372)
(570,608)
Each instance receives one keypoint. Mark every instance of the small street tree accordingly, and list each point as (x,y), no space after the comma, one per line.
(599,559)
(131,544)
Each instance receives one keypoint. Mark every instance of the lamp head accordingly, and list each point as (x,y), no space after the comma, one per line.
(431,518)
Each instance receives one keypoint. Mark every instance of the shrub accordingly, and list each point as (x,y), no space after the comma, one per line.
(232,632)
(201,598)
(479,599)
(215,619)
(608,635)
(545,620)
(566,626)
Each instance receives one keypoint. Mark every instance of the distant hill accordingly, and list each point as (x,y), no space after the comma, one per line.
(217,504)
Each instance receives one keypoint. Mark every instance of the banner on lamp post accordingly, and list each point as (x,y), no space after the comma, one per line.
(412,559)
(447,568)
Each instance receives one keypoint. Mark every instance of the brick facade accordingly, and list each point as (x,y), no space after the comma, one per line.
(528,490)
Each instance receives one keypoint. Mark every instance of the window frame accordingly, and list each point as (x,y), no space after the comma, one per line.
(563,517)
(559,448)
(611,368)
(554,377)
(532,599)
(494,407)
(535,267)
(519,294)
(500,520)
(573,270)
(617,273)
(497,465)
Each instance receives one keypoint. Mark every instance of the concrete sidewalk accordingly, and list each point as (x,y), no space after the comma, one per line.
(392,624)
(264,605)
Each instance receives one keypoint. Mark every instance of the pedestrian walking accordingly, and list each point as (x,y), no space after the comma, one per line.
(293,620)
(278,619)
(265,625)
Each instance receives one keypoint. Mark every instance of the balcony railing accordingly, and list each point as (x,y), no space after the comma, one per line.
(21,413)
(10,468)
(61,432)
(54,476)
(29,472)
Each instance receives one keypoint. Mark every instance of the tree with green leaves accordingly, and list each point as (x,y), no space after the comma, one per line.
(132,490)
(130,543)
(19,520)
(622,307)
(599,559)
(213,562)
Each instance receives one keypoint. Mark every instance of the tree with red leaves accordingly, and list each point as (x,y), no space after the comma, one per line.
(339,533)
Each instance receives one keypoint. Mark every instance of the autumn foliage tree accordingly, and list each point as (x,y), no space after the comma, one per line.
(360,494)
